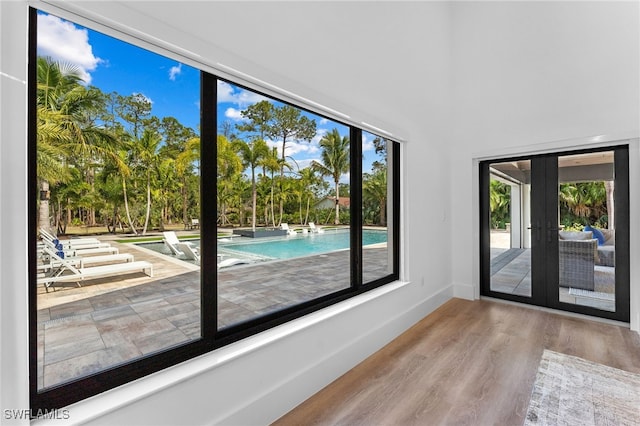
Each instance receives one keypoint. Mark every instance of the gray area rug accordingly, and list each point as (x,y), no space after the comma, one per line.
(573,391)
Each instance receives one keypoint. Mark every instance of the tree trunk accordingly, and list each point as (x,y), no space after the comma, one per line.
(337,221)
(383,212)
(185,200)
(609,187)
(254,199)
(126,206)
(146,219)
(273,216)
(69,212)
(43,211)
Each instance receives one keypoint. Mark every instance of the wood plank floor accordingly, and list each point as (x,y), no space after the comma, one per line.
(468,363)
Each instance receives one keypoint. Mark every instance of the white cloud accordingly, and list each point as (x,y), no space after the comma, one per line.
(233,113)
(240,97)
(64,42)
(367,143)
(303,164)
(294,148)
(323,121)
(175,71)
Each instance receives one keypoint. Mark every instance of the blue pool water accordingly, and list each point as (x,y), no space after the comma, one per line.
(301,244)
(283,247)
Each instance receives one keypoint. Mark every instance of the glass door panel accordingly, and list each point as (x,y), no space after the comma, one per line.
(586,240)
(510,230)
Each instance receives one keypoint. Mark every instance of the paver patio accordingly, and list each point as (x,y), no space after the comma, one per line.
(109,321)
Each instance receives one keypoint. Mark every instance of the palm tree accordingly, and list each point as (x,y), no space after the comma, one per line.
(228,164)
(499,202)
(289,125)
(335,161)
(374,188)
(308,179)
(271,164)
(63,131)
(586,200)
(252,154)
(184,164)
(147,147)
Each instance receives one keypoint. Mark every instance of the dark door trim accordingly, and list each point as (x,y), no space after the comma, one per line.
(544,204)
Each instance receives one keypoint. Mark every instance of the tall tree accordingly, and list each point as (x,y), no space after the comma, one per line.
(259,118)
(147,147)
(134,110)
(308,180)
(63,129)
(374,190)
(289,125)
(252,153)
(335,162)
(184,165)
(228,164)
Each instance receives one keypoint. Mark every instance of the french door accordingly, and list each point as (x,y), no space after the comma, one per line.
(555,231)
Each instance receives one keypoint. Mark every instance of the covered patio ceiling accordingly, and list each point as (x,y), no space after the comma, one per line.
(593,166)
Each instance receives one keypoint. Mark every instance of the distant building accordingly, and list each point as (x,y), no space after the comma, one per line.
(330,203)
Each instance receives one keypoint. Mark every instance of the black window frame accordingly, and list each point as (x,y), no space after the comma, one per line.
(211,336)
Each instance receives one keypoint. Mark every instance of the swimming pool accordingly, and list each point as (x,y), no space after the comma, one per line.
(301,244)
(284,247)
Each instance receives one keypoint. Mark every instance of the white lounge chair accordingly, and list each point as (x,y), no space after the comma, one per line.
(171,241)
(81,274)
(79,250)
(230,262)
(84,261)
(188,252)
(285,227)
(70,241)
(314,229)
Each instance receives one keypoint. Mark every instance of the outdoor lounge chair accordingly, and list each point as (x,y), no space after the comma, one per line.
(81,274)
(285,227)
(171,241)
(79,250)
(84,261)
(314,229)
(188,252)
(230,262)
(72,243)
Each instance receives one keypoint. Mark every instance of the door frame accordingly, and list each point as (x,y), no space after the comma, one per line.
(544,290)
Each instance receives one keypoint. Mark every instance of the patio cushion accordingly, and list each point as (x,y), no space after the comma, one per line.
(609,237)
(597,234)
(575,235)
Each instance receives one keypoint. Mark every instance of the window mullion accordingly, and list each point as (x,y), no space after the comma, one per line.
(208,191)
(356,206)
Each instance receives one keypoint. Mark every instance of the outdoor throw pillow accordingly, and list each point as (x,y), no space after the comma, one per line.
(597,234)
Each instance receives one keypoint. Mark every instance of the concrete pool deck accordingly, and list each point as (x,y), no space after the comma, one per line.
(109,321)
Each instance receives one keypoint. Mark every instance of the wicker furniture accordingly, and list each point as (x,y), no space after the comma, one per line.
(577,261)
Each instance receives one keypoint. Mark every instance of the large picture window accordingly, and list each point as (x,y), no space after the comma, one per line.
(174,211)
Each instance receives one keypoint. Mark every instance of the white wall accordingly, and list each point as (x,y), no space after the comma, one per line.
(383,64)
(536,76)
(455,80)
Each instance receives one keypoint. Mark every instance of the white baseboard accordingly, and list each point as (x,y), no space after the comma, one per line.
(464,291)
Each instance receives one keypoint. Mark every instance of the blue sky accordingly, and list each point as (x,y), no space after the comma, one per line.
(172,87)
